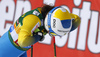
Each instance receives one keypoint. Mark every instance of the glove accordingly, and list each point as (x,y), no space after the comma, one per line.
(40,34)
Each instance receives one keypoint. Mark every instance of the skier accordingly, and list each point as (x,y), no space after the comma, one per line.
(33,25)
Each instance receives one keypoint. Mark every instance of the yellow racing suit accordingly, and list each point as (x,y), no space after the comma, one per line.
(20,36)
(21,33)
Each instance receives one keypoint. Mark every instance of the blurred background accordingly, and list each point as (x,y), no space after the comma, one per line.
(82,42)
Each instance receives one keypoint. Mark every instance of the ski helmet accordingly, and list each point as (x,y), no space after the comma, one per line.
(58,21)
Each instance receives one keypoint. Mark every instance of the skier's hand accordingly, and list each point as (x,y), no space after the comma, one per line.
(40,34)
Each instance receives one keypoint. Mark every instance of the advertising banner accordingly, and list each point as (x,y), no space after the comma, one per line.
(82,42)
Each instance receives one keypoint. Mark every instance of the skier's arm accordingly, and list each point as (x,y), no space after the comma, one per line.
(25,37)
(75,22)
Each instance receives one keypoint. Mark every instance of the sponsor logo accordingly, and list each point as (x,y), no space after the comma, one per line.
(54,23)
(36,13)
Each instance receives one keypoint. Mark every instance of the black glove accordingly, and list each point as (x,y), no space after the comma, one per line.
(40,34)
